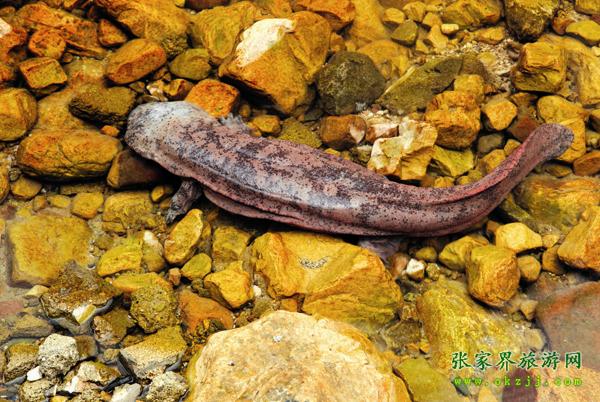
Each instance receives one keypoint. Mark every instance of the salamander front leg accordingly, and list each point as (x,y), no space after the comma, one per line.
(189,192)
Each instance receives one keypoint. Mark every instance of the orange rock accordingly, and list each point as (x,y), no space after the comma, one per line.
(135,60)
(109,34)
(10,37)
(588,164)
(338,13)
(456,116)
(215,97)
(195,309)
(341,132)
(80,34)
(43,73)
(47,43)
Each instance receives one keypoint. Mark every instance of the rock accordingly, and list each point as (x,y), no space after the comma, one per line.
(283,347)
(406,33)
(584,66)
(197,267)
(80,34)
(456,116)
(215,97)
(228,245)
(586,30)
(231,286)
(20,358)
(557,202)
(426,384)
(393,16)
(128,170)
(456,254)
(337,13)
(153,308)
(128,210)
(130,282)
(75,297)
(167,387)
(367,26)
(556,109)
(112,327)
(323,269)
(217,29)
(191,64)
(342,132)
(529,267)
(492,274)
(126,393)
(126,256)
(472,13)
(87,205)
(294,131)
(18,113)
(452,163)
(568,318)
(542,67)
(580,247)
(104,105)
(407,155)
(4,183)
(587,165)
(47,43)
(134,60)
(93,372)
(267,124)
(436,39)
(67,154)
(587,7)
(471,83)
(418,86)
(363,83)
(30,326)
(448,313)
(35,391)
(109,35)
(42,74)
(517,237)
(528,19)
(492,35)
(499,113)
(150,357)
(40,246)
(182,242)
(391,59)
(56,355)
(25,188)
(491,161)
(198,311)
(297,45)
(146,19)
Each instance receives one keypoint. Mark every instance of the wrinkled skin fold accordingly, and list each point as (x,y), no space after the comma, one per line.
(310,189)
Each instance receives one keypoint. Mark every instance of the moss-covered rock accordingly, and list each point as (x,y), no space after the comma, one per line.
(528,19)
(103,105)
(18,113)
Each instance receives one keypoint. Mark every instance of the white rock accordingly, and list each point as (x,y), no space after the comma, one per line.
(57,354)
(415,269)
(126,393)
(261,37)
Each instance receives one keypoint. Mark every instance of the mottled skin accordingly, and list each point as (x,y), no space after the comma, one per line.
(304,187)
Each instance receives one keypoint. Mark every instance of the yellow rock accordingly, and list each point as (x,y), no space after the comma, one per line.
(517,237)
(436,38)
(581,248)
(182,242)
(492,274)
(542,67)
(268,124)
(297,46)
(128,210)
(455,254)
(197,267)
(472,13)
(578,146)
(87,205)
(390,58)
(415,10)
(339,280)
(231,286)
(491,161)
(59,201)
(130,282)
(492,35)
(228,245)
(393,16)
(452,163)
(67,154)
(588,164)
(134,60)
(406,156)
(425,383)
(529,267)
(499,113)
(215,97)
(472,83)
(40,246)
(587,6)
(555,109)
(342,132)
(25,188)
(195,310)
(4,183)
(586,30)
(456,116)
(551,261)
(338,13)
(18,113)
(126,256)
(367,26)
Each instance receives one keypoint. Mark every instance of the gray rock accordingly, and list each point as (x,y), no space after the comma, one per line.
(57,354)
(126,393)
(167,387)
(348,83)
(34,391)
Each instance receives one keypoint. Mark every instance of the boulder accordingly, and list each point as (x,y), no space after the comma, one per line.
(528,19)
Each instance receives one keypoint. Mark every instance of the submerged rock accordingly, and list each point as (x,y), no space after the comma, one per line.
(529,18)
(339,280)
(581,247)
(18,113)
(301,356)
